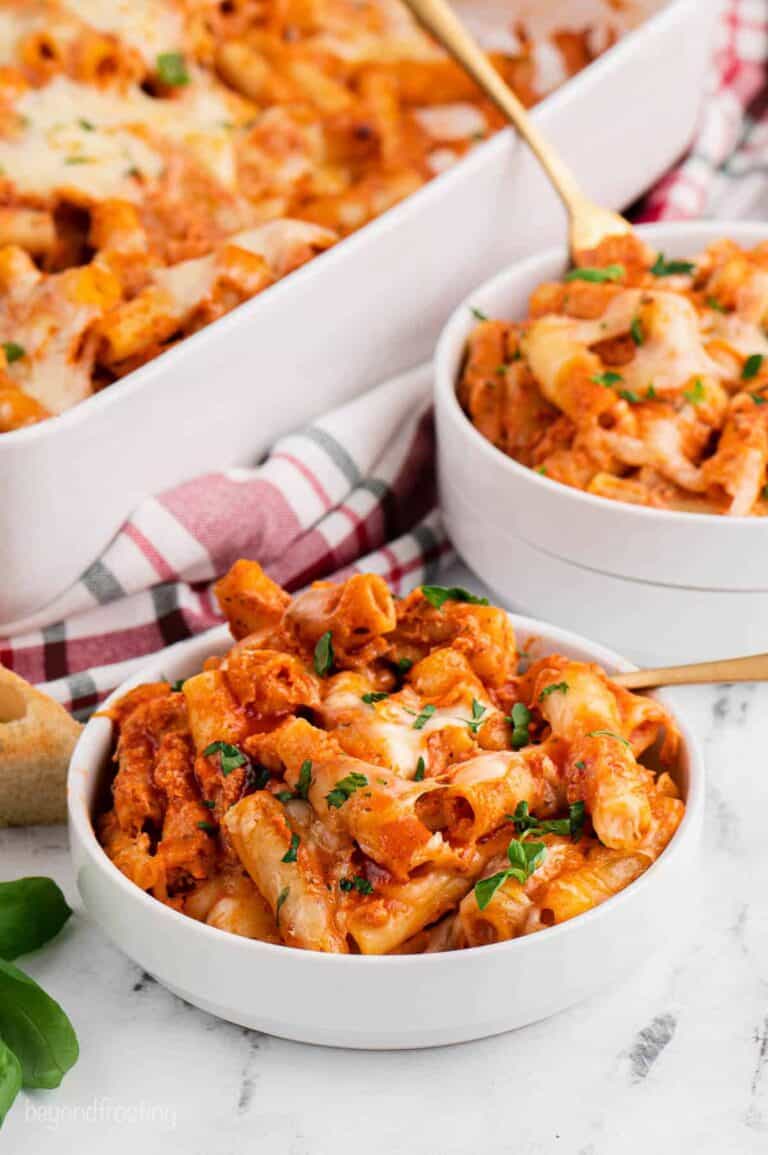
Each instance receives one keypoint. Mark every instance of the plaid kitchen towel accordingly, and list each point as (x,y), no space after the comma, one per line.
(356,489)
(724,173)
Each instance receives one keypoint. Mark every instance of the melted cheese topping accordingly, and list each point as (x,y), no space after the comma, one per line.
(390,723)
(451,122)
(96,141)
(149,26)
(55,368)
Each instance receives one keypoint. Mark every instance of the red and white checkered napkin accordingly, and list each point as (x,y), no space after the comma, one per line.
(724,173)
(354,490)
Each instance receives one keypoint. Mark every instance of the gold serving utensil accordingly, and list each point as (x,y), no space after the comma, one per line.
(750,669)
(589,223)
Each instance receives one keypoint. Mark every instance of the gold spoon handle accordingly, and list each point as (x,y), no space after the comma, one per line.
(751,669)
(589,222)
(439,19)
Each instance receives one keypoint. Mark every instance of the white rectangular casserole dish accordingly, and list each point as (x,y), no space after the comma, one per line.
(371,306)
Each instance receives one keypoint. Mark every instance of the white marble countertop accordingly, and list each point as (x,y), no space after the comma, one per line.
(675,1059)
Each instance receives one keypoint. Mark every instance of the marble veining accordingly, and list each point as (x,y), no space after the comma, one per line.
(675,1059)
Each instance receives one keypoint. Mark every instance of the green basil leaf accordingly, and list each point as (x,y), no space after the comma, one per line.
(344,788)
(324,656)
(10,1079)
(13,351)
(576,818)
(172,69)
(305,779)
(607,734)
(35,1028)
(420,770)
(438,595)
(608,273)
(291,853)
(230,757)
(752,366)
(487,887)
(517,855)
(424,716)
(32,911)
(554,688)
(663,268)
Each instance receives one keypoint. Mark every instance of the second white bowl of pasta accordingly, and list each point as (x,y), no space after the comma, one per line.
(605,464)
(383,823)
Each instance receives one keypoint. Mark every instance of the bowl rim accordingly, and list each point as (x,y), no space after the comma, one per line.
(452,340)
(93,746)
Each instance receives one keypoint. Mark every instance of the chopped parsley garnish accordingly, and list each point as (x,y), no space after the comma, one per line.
(580,765)
(209,805)
(377,696)
(344,788)
(324,654)
(290,854)
(520,719)
(305,779)
(629,396)
(664,268)
(86,124)
(651,393)
(280,900)
(420,769)
(524,858)
(172,69)
(404,665)
(438,595)
(476,721)
(230,757)
(285,796)
(501,369)
(208,827)
(542,469)
(608,378)
(696,394)
(752,366)
(526,823)
(178,685)
(478,314)
(555,688)
(13,352)
(256,777)
(361,885)
(758,398)
(609,273)
(636,331)
(713,303)
(423,717)
(607,734)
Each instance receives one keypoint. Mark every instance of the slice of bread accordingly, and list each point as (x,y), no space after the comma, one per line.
(37,737)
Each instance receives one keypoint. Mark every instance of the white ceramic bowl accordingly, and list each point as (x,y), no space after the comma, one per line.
(378,1002)
(659,585)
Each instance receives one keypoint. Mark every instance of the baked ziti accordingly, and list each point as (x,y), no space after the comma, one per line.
(367,774)
(636,378)
(161,161)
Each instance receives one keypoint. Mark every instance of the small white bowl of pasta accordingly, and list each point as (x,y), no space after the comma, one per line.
(341,995)
(663,584)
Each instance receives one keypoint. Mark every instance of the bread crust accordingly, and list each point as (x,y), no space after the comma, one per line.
(37,737)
